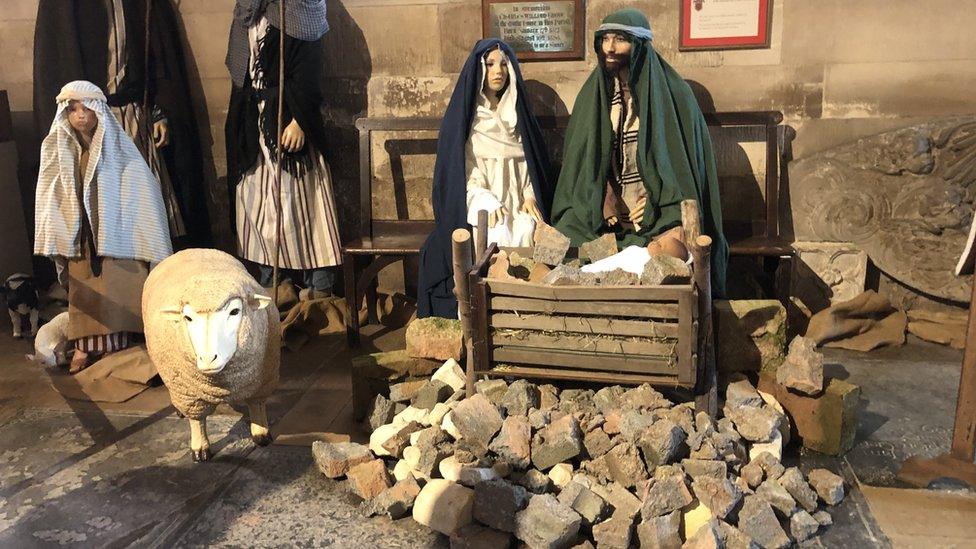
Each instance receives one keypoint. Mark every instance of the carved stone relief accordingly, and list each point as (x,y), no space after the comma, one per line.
(905,197)
(825,273)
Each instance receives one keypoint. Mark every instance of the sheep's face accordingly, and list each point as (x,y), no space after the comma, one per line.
(214,334)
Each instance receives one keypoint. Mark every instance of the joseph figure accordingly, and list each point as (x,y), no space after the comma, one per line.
(637,145)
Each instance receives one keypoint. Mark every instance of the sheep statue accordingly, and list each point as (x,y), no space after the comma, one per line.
(214,336)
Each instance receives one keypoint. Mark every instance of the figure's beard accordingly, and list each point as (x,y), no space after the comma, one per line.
(615,63)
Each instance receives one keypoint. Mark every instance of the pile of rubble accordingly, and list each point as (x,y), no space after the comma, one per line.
(546,266)
(618,467)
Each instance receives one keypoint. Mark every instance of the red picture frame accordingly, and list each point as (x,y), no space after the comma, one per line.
(735,18)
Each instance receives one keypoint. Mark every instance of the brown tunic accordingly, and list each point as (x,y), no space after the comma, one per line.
(104,294)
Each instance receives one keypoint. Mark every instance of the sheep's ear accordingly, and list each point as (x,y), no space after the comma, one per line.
(174,312)
(261,301)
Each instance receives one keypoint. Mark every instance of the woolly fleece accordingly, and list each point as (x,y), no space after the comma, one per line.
(206,279)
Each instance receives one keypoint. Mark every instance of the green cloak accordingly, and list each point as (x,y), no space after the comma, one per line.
(674,153)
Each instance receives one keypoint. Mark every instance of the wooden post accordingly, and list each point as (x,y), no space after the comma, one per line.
(700,246)
(481,236)
(958,463)
(461,254)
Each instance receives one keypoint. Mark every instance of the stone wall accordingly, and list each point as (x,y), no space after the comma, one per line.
(839,70)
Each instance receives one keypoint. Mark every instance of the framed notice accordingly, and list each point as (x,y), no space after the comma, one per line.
(725,24)
(549,30)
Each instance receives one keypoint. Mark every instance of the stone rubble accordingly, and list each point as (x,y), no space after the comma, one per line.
(557,469)
(803,369)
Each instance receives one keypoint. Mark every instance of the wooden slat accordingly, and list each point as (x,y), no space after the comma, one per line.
(577,375)
(582,325)
(596,345)
(481,352)
(584,360)
(603,308)
(589,293)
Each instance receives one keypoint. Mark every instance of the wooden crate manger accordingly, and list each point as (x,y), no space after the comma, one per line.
(626,335)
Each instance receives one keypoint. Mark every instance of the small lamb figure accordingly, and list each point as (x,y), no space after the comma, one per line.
(214,336)
(21,295)
(51,342)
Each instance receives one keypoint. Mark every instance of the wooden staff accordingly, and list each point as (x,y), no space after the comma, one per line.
(461,256)
(145,121)
(281,132)
(481,236)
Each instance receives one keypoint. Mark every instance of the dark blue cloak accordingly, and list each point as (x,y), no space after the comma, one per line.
(435,288)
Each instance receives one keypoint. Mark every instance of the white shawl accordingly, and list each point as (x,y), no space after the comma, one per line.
(119,192)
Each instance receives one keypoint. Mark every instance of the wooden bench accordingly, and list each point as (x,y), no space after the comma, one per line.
(382,242)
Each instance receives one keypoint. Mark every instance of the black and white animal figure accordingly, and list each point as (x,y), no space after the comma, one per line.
(21,295)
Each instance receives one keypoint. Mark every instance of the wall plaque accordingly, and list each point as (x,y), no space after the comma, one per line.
(725,24)
(549,30)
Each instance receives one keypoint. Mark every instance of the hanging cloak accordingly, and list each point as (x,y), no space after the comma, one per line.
(674,158)
(71,42)
(303,100)
(119,194)
(435,288)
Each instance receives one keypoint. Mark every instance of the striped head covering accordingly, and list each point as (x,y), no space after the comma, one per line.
(627,20)
(118,191)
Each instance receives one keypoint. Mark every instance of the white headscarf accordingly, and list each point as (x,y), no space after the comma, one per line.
(493,132)
(119,192)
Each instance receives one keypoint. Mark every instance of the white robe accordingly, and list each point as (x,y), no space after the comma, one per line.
(498,175)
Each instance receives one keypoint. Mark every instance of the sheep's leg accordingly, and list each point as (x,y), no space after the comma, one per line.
(199,443)
(259,423)
(33,322)
(15,320)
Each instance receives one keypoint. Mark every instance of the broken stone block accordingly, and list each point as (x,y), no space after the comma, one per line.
(381,412)
(618,277)
(533,480)
(437,413)
(670,470)
(546,523)
(493,389)
(538,273)
(563,275)
(405,391)
(785,426)
(608,398)
(623,465)
(372,375)
(660,532)
(740,392)
(705,451)
(559,441)
(472,476)
(550,245)
(665,495)
(513,443)
(590,506)
(519,266)
(444,506)
(623,501)
(475,536)
(368,479)
(410,415)
(499,267)
(735,538)
(803,368)
(755,424)
(705,467)
(708,536)
(694,516)
(477,419)
(435,338)
(633,423)
(824,518)
(520,397)
(750,335)
(664,269)
(793,481)
(400,439)
(614,533)
(432,393)
(396,501)
(644,397)
(803,526)
(752,473)
(826,423)
(379,437)
(451,374)
(757,520)
(561,474)
(662,443)
(496,502)
(597,443)
(718,494)
(432,448)
(777,496)
(773,447)
(829,487)
(335,459)
(683,416)
(539,418)
(770,465)
(402,470)
(447,424)
(598,249)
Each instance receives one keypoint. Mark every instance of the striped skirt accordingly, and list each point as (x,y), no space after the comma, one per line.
(310,229)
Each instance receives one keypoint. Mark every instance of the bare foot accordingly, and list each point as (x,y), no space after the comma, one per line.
(78,362)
